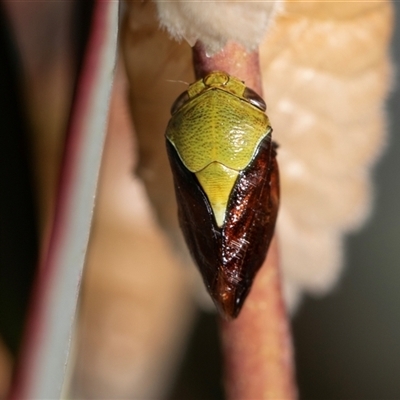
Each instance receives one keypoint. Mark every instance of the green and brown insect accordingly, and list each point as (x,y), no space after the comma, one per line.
(226,182)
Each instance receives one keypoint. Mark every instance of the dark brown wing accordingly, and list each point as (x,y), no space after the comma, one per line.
(202,235)
(229,257)
(249,228)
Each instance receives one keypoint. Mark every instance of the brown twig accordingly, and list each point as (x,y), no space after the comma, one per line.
(257,346)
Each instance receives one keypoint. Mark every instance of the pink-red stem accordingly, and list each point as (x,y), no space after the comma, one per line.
(257,345)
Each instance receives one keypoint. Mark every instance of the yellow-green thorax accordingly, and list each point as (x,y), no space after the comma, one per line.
(216,133)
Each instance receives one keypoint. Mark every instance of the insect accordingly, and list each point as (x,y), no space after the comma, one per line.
(226,182)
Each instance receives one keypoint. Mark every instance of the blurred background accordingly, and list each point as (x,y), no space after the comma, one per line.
(346,344)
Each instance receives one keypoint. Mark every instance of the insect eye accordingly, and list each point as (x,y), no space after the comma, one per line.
(179,102)
(254,99)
